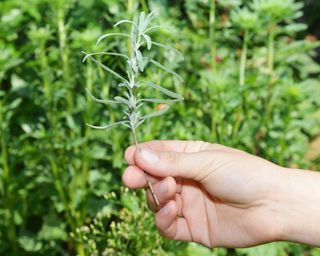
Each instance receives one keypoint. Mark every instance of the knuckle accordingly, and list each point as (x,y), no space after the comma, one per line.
(172,159)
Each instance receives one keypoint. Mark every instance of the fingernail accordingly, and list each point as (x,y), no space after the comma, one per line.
(165,210)
(162,189)
(149,156)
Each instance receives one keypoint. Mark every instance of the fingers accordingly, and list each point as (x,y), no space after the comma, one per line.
(166,220)
(134,177)
(170,225)
(164,190)
(169,145)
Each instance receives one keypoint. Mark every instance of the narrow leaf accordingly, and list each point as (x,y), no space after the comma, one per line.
(155,114)
(168,48)
(158,100)
(122,100)
(167,92)
(111,34)
(157,27)
(100,100)
(142,22)
(159,65)
(125,21)
(107,126)
(148,41)
(107,69)
(103,53)
(149,17)
(134,29)
(140,60)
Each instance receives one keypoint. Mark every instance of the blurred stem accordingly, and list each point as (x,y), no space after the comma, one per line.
(130,15)
(47,90)
(11,232)
(80,249)
(212,41)
(212,31)
(88,116)
(62,194)
(215,252)
(70,212)
(130,7)
(242,81)
(271,51)
(144,6)
(64,54)
(243,61)
(73,216)
(214,134)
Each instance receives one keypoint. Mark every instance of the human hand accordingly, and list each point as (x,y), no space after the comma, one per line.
(208,193)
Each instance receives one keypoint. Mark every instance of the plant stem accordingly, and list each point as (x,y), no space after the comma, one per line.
(214,134)
(11,232)
(64,54)
(271,52)
(271,39)
(144,5)
(130,7)
(59,187)
(242,81)
(85,161)
(155,198)
(212,39)
(243,61)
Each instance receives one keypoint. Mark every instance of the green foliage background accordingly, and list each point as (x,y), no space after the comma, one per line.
(251,83)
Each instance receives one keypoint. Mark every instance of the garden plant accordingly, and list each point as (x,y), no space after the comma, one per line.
(251,81)
(136,64)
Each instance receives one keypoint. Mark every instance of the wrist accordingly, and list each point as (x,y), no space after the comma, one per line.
(296,204)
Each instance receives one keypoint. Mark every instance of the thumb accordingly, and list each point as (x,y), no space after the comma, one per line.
(167,163)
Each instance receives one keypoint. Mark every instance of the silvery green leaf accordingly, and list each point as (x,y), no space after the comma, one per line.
(100,100)
(103,53)
(142,22)
(149,18)
(140,122)
(127,95)
(111,34)
(157,27)
(140,60)
(167,92)
(157,113)
(158,100)
(107,126)
(139,105)
(148,41)
(107,69)
(138,84)
(122,100)
(134,29)
(127,125)
(168,48)
(165,68)
(126,21)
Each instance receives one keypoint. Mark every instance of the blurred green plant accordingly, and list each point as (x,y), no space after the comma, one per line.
(250,82)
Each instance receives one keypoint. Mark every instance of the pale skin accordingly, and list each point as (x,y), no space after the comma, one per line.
(222,197)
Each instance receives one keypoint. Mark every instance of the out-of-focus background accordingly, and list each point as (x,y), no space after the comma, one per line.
(252,81)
